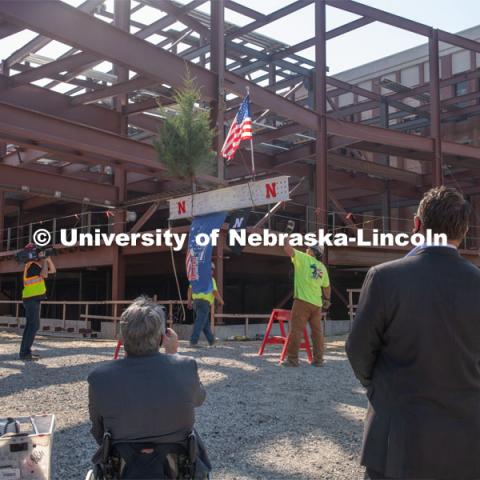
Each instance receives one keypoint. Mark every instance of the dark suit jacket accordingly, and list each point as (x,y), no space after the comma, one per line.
(415,346)
(139,398)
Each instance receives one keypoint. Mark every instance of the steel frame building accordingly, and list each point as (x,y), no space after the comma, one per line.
(89,148)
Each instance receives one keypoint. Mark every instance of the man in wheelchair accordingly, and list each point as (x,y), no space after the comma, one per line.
(142,407)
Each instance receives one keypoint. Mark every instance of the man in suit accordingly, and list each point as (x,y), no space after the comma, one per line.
(415,347)
(148,395)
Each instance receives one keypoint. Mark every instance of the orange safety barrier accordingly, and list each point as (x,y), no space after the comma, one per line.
(283,316)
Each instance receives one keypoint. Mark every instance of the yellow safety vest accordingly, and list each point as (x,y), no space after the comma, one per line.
(33,286)
(209,297)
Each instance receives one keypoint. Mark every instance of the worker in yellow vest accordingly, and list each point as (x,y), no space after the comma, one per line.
(201,304)
(34,291)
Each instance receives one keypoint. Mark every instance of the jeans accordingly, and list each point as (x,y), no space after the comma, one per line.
(202,322)
(32,317)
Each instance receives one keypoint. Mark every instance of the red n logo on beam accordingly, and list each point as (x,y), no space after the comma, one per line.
(271,189)
(182,208)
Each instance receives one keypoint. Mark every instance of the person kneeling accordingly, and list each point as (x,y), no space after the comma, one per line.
(147,399)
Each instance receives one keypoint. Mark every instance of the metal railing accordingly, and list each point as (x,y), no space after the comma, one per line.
(245,316)
(353,294)
(85,313)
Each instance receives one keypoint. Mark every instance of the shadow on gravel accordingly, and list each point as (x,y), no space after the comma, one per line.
(33,375)
(260,421)
(264,413)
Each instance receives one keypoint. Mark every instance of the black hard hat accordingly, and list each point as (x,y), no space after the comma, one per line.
(318,250)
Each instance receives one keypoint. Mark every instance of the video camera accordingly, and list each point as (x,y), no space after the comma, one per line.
(34,253)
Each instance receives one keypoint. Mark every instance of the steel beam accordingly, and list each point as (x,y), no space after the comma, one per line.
(247,12)
(347,87)
(7,29)
(66,259)
(458,41)
(348,27)
(381,16)
(84,60)
(459,77)
(269,134)
(40,41)
(117,89)
(46,101)
(48,183)
(277,14)
(119,47)
(55,18)
(17,123)
(171,9)
(348,163)
(159,25)
(379,135)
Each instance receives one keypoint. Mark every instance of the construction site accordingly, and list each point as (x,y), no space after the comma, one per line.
(76,132)
(330,116)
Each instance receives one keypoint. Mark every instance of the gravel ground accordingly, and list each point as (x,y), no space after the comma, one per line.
(259,421)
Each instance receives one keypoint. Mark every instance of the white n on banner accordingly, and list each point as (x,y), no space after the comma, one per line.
(262,192)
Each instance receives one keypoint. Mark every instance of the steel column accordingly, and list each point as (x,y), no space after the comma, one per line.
(217,65)
(435,128)
(385,160)
(217,62)
(118,263)
(321,143)
(122,21)
(2,218)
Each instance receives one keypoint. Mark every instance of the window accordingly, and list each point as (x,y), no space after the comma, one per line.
(461,88)
(410,76)
(460,61)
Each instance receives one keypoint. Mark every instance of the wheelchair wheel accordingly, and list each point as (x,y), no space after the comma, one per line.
(90,475)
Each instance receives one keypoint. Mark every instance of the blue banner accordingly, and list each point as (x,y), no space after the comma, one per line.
(199,257)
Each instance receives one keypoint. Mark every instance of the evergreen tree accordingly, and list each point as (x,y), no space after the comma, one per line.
(184,143)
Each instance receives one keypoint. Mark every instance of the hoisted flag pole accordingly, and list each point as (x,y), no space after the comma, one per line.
(251,140)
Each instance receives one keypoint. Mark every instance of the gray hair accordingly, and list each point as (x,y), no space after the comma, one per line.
(141,325)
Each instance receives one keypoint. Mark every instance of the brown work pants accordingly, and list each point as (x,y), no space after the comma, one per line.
(303,313)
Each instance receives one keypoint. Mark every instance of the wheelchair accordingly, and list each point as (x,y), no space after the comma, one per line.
(150,461)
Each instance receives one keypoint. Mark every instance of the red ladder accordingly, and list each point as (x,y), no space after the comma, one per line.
(283,316)
(117,350)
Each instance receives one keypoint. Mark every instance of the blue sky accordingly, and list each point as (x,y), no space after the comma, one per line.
(356,48)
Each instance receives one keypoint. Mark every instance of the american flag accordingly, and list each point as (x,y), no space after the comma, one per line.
(241,129)
(192,266)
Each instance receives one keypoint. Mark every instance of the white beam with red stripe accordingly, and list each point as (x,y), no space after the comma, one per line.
(247,195)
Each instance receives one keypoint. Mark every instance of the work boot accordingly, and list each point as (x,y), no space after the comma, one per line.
(29,357)
(288,363)
(318,363)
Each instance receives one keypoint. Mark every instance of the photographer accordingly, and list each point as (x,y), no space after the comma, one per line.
(34,291)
